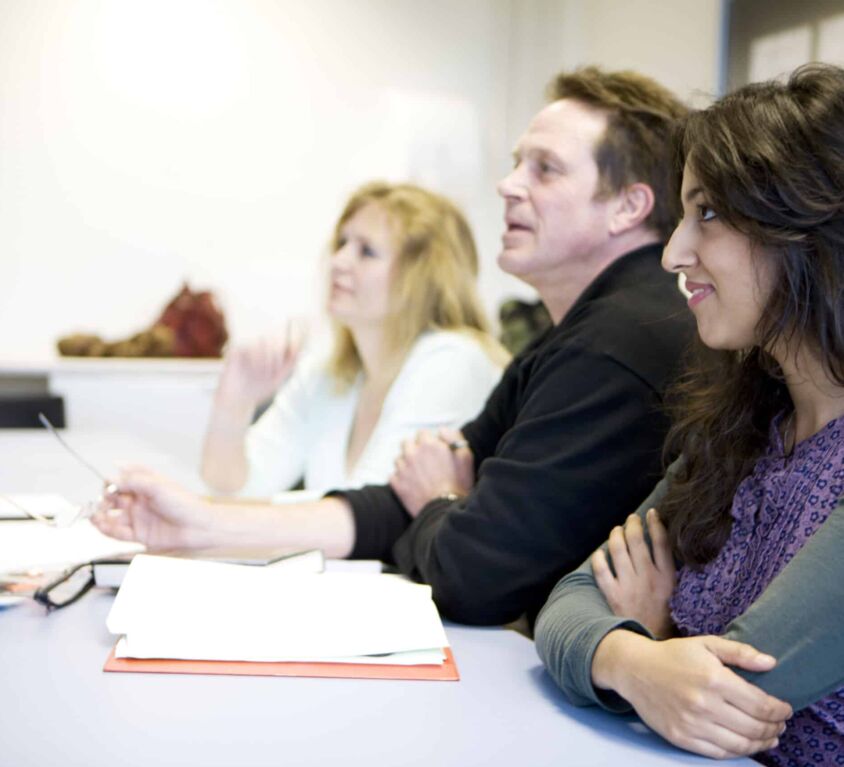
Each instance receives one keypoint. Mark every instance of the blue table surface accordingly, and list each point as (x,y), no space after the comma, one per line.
(61,708)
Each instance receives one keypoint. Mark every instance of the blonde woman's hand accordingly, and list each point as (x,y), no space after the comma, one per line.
(154,511)
(644,577)
(253,373)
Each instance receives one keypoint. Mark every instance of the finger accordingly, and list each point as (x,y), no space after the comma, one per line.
(298,334)
(721,744)
(617,547)
(663,558)
(733,742)
(407,447)
(449,435)
(123,532)
(739,654)
(113,527)
(425,437)
(743,725)
(634,536)
(752,700)
(603,575)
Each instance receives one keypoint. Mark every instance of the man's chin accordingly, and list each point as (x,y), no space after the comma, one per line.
(513,261)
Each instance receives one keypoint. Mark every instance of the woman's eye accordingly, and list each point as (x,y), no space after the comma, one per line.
(366,251)
(705,213)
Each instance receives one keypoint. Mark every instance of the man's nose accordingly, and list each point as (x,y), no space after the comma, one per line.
(512,185)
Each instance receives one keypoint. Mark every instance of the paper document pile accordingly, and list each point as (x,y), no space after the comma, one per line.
(27,545)
(194,610)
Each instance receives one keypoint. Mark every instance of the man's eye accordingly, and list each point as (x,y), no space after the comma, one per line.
(705,213)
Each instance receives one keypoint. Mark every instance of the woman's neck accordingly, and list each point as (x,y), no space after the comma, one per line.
(378,363)
(817,400)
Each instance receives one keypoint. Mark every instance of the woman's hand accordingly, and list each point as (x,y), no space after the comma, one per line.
(642,584)
(154,511)
(683,689)
(253,373)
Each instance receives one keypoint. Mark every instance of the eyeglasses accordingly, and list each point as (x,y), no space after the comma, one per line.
(72,584)
(110,487)
(85,510)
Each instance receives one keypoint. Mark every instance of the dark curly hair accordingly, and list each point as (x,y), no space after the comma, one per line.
(770,160)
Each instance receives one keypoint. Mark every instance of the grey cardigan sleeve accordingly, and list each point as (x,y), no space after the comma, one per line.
(798,619)
(572,624)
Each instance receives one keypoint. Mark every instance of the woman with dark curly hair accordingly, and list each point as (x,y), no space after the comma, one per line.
(760,427)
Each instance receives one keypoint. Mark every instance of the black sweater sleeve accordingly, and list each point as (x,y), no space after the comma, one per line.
(582,451)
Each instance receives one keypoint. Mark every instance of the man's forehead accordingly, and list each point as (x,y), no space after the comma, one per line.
(564,123)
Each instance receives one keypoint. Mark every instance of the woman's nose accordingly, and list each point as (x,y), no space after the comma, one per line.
(342,257)
(679,253)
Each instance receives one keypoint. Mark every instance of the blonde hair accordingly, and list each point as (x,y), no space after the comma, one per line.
(434,286)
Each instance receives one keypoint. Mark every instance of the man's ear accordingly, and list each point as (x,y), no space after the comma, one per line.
(634,204)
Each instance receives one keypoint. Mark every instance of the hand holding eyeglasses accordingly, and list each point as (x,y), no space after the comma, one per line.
(153,510)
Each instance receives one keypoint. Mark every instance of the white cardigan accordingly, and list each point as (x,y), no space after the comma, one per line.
(444,381)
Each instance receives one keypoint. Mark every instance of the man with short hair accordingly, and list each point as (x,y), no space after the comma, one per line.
(569,441)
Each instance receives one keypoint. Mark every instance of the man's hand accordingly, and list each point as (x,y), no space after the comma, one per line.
(642,585)
(431,466)
(154,511)
(683,689)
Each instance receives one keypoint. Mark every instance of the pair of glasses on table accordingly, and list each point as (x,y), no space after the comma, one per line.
(84,511)
(75,582)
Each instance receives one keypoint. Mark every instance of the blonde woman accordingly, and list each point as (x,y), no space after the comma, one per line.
(411,351)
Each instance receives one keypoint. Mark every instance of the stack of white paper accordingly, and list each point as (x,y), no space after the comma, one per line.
(193,610)
(30,545)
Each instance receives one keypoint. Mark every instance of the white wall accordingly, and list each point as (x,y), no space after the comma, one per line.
(147,141)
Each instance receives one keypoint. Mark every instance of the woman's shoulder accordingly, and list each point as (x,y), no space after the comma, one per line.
(463,348)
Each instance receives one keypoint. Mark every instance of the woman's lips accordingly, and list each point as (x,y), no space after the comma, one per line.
(699,292)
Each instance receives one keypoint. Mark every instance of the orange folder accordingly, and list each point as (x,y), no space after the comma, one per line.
(447,672)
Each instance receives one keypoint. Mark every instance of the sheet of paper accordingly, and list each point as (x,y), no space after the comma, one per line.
(34,545)
(432,657)
(50,505)
(169,608)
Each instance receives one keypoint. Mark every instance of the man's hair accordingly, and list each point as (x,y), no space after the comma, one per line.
(637,144)
(435,283)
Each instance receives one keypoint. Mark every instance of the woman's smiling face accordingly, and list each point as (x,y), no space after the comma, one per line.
(728,278)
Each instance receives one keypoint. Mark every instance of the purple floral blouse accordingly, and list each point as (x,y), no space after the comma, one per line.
(775,511)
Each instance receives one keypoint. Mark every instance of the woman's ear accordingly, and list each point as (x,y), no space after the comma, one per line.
(634,204)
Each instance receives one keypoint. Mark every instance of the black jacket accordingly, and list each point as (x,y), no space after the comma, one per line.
(567,445)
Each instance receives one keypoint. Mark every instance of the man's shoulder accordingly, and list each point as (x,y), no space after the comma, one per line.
(633,314)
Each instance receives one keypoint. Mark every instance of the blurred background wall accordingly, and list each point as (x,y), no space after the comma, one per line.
(144,142)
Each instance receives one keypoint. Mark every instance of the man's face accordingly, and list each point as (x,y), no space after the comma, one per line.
(554,223)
